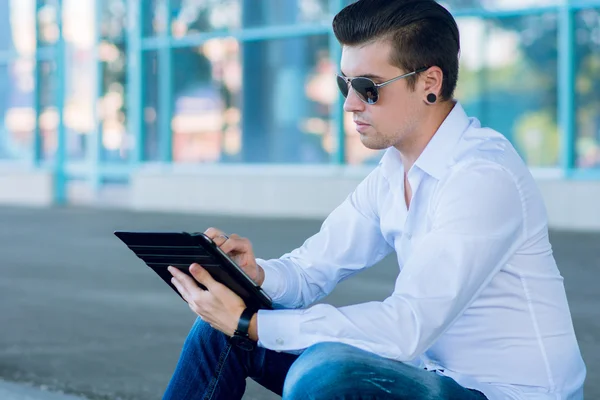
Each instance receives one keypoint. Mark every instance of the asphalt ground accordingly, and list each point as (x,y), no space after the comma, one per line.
(80,315)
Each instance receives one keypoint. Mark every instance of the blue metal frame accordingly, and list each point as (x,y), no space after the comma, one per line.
(95,139)
(335,52)
(134,81)
(566,88)
(165,89)
(60,178)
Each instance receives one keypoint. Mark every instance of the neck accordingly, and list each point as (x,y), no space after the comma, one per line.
(411,149)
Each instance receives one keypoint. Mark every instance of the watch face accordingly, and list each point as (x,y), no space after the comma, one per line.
(242,342)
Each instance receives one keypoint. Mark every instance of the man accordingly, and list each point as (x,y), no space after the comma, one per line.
(479,308)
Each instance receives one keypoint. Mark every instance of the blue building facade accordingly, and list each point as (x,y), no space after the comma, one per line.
(95,89)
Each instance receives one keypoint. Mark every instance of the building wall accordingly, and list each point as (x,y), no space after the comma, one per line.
(95,92)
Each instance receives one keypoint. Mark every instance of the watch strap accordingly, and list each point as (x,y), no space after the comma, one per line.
(244,322)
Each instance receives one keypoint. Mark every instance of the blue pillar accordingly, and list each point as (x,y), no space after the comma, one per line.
(335,52)
(165,89)
(134,81)
(566,88)
(60,178)
(95,140)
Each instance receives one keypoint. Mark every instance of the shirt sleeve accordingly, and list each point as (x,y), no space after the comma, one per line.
(350,240)
(478,224)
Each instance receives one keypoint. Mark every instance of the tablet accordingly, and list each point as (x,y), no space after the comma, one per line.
(159,250)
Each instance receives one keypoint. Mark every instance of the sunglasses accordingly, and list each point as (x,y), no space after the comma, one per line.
(365,88)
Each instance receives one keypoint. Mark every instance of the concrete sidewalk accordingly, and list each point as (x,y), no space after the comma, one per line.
(15,391)
(81,315)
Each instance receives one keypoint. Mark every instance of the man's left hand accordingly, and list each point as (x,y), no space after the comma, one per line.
(218,306)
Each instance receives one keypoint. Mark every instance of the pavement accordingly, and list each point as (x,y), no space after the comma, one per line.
(82,318)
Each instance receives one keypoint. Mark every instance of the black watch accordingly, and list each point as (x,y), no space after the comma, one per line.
(240,337)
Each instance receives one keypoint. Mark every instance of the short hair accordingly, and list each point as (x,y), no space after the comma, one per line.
(422,34)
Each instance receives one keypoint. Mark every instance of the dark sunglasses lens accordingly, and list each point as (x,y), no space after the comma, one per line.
(365,89)
(343,85)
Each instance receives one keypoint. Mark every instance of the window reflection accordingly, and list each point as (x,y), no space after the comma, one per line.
(151,102)
(47,18)
(154,18)
(80,75)
(48,117)
(206,113)
(587,36)
(456,5)
(508,81)
(281,116)
(17,109)
(113,20)
(17,80)
(194,16)
(115,144)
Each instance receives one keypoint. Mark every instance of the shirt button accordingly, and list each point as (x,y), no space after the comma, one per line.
(279,341)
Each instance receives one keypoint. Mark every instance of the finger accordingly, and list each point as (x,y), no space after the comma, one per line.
(202,276)
(180,289)
(187,283)
(213,232)
(236,244)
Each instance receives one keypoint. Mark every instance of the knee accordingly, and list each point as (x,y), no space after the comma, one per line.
(319,370)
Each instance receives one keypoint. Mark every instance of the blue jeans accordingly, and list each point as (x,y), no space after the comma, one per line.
(211,368)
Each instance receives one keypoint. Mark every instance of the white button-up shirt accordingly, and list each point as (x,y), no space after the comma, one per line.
(478,296)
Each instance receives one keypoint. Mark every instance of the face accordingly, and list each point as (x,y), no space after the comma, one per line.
(393,119)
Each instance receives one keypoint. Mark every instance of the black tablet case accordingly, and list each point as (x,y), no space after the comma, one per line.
(159,250)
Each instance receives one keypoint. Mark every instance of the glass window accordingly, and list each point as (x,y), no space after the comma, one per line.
(48,118)
(17,26)
(194,16)
(282,115)
(457,5)
(508,81)
(151,104)
(116,144)
(47,22)
(587,97)
(113,20)
(154,18)
(17,110)
(80,75)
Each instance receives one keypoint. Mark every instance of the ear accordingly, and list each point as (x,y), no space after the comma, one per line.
(431,81)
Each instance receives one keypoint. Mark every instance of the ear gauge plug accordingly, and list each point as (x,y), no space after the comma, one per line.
(431,98)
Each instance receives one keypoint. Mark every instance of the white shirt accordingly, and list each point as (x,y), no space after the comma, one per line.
(478,296)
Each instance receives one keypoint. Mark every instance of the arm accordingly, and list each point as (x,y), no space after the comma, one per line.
(478,225)
(350,240)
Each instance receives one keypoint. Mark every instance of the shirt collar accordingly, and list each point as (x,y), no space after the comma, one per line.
(435,157)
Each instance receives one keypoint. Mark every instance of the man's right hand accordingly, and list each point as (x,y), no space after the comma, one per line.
(239,249)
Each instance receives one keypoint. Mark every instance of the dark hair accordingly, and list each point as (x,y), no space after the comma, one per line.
(422,33)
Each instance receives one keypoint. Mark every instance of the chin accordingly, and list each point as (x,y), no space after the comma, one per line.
(372,143)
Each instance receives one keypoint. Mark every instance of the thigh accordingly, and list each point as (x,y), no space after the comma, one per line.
(338,371)
(269,368)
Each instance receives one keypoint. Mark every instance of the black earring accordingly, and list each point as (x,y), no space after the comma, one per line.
(431,98)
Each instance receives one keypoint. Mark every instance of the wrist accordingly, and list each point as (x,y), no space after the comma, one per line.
(253,328)
(260,276)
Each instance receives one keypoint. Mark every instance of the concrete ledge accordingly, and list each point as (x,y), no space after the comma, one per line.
(313,192)
(303,192)
(24,185)
(572,205)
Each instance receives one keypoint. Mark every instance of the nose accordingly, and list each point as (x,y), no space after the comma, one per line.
(353,103)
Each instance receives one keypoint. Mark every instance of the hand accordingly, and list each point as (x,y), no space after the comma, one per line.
(218,306)
(240,251)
